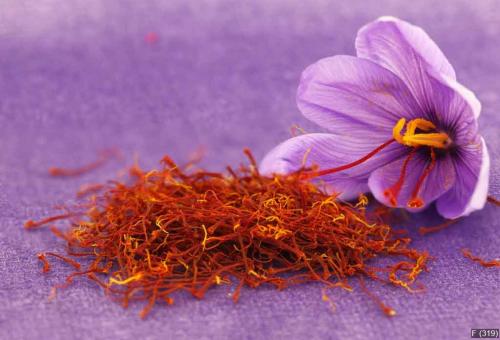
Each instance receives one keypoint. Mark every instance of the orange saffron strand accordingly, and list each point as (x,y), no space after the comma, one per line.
(65,172)
(393,192)
(171,230)
(415,201)
(485,263)
(46,265)
(314,174)
(68,260)
(45,262)
(30,224)
(89,189)
(428,230)
(387,310)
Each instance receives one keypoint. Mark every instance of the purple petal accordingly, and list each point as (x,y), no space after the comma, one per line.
(408,51)
(403,48)
(462,97)
(352,96)
(452,108)
(328,151)
(471,185)
(440,179)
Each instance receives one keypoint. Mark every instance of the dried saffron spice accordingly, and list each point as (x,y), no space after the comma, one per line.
(172,230)
(434,229)
(485,263)
(30,224)
(104,156)
(46,264)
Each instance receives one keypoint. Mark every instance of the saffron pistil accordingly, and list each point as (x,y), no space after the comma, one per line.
(415,201)
(314,174)
(393,192)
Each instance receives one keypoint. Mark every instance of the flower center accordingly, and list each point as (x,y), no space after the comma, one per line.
(419,133)
(411,138)
(429,138)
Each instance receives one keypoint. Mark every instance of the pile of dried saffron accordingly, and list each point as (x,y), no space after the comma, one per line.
(173,230)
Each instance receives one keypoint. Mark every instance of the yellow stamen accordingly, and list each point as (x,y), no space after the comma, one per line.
(438,140)
(420,123)
(136,277)
(396,131)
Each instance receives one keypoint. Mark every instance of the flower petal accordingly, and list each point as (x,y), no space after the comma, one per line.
(451,107)
(328,151)
(408,51)
(352,96)
(471,186)
(463,95)
(401,47)
(440,179)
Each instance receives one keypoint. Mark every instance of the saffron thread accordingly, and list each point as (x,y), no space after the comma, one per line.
(318,173)
(415,201)
(485,263)
(393,192)
(429,230)
(104,157)
(170,230)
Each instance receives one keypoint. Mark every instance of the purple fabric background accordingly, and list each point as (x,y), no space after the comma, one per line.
(77,76)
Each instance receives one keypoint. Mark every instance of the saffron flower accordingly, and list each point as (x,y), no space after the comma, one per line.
(400,124)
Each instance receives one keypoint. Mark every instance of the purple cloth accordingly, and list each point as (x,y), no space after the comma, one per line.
(79,76)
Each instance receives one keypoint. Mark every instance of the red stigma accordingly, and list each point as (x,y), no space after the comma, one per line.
(314,174)
(415,201)
(393,192)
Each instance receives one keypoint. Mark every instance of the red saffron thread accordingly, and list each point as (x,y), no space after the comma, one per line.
(387,310)
(89,189)
(485,263)
(314,174)
(30,224)
(415,201)
(393,192)
(46,265)
(104,156)
(68,260)
(429,230)
(45,262)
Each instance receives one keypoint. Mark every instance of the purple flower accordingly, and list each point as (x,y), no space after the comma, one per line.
(398,118)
